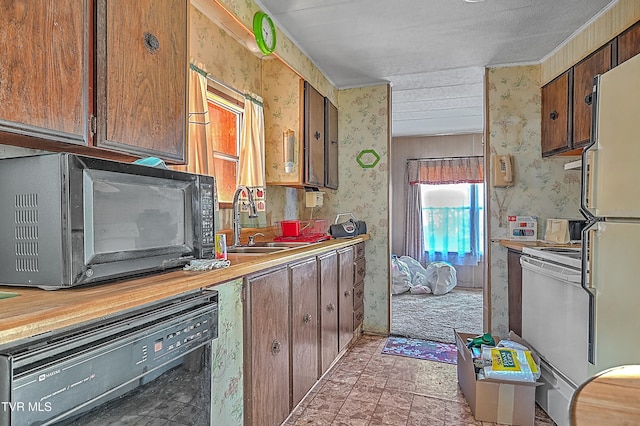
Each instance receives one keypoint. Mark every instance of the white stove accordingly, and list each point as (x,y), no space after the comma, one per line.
(555,322)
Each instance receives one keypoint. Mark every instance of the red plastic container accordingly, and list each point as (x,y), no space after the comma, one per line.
(290,228)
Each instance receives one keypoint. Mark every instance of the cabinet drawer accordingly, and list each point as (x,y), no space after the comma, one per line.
(360,250)
(360,270)
(358,295)
(358,316)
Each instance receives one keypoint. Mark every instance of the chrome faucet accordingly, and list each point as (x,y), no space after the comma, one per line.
(253,212)
(252,238)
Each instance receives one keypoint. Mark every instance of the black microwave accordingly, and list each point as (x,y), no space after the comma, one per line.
(69,220)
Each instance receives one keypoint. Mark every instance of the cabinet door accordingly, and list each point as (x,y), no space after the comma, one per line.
(583,73)
(629,43)
(345,296)
(313,136)
(331,148)
(304,328)
(43,90)
(141,65)
(556,113)
(267,365)
(514,281)
(328,266)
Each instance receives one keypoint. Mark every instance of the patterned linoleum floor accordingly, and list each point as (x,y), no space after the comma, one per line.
(367,388)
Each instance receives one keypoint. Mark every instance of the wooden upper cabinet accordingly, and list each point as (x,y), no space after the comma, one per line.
(141,67)
(629,43)
(314,151)
(95,77)
(556,113)
(43,91)
(331,148)
(598,62)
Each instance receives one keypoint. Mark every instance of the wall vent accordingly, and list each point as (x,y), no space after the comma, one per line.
(26,232)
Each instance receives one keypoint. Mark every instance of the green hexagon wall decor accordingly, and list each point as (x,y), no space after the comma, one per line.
(368,158)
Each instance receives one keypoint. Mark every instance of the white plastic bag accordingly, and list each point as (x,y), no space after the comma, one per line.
(418,273)
(400,276)
(441,277)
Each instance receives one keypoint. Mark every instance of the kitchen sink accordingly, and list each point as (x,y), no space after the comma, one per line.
(265,247)
(277,244)
(255,249)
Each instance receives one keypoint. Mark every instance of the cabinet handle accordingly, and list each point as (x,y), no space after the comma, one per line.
(275,348)
(151,42)
(360,293)
(317,135)
(334,142)
(553,115)
(331,307)
(306,318)
(347,293)
(588,99)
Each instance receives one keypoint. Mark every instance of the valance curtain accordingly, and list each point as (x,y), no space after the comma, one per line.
(252,163)
(199,143)
(436,172)
(439,171)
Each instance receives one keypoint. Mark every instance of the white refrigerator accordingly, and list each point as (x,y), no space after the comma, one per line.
(611,203)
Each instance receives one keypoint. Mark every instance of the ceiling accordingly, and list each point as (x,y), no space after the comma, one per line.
(433,52)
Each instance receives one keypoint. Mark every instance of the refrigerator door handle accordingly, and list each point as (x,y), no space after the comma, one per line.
(585,282)
(591,147)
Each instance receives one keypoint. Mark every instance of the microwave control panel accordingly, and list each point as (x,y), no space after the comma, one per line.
(207,203)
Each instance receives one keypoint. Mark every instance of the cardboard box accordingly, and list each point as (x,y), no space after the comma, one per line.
(497,401)
(523,228)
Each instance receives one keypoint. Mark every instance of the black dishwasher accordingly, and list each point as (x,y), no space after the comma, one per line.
(72,376)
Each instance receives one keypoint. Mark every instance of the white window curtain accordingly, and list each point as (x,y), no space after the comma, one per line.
(252,163)
(199,144)
(438,171)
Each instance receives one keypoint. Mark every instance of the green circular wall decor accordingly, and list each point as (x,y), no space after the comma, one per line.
(368,158)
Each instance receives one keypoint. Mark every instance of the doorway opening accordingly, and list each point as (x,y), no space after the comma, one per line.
(446,236)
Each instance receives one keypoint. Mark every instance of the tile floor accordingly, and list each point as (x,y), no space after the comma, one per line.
(367,388)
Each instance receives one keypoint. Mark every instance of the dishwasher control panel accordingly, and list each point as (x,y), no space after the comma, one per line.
(87,367)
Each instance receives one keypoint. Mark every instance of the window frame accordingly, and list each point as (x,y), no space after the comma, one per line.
(476,202)
(221,97)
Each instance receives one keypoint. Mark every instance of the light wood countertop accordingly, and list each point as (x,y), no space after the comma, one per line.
(519,245)
(35,311)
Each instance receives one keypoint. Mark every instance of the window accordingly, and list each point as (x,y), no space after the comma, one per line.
(225,116)
(453,223)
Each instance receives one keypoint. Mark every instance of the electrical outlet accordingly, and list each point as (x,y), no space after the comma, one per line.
(314,198)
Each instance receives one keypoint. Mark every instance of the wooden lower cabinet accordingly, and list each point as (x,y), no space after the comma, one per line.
(328,309)
(345,296)
(298,318)
(304,327)
(267,367)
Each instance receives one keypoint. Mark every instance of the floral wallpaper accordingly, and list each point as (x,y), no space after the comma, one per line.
(542,187)
(363,123)
(227,357)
